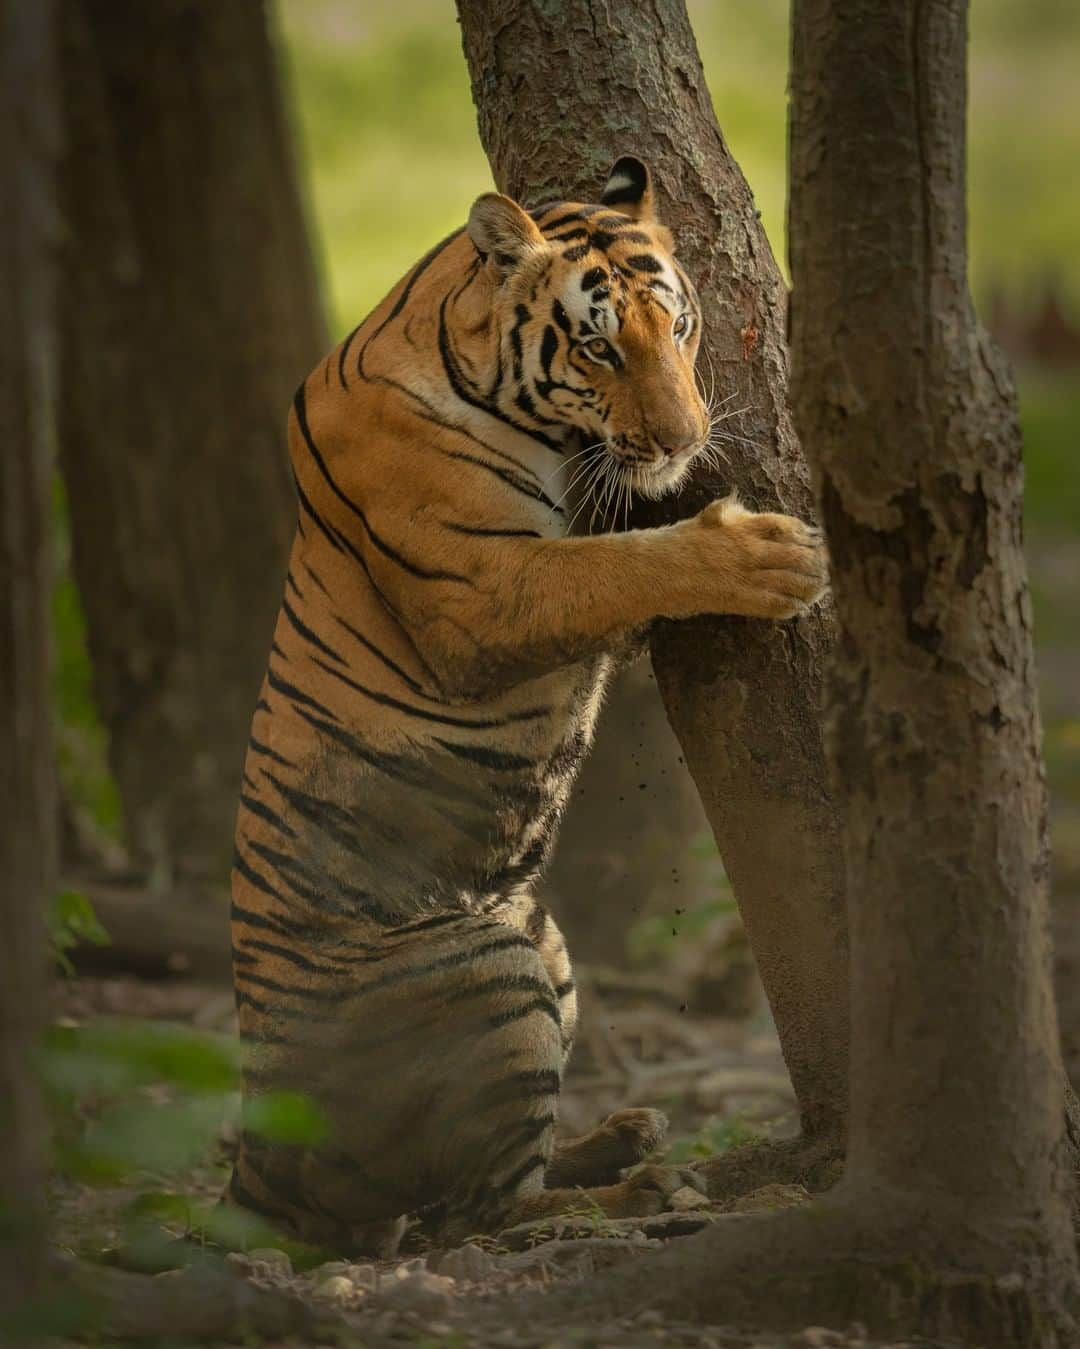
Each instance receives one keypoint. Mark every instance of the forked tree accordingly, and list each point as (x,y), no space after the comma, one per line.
(191,311)
(952,1216)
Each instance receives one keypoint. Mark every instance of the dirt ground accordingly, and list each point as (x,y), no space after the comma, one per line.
(720,1079)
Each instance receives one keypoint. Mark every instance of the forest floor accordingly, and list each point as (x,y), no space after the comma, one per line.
(721,1080)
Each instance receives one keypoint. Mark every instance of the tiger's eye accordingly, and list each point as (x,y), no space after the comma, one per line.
(680,326)
(598,347)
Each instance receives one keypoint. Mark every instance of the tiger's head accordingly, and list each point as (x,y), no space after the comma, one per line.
(598,326)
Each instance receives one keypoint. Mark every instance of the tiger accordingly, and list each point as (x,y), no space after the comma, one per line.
(457,594)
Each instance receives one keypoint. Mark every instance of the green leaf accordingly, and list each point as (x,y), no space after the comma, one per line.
(285,1117)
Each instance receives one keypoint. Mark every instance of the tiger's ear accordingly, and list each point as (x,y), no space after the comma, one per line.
(629,189)
(502,232)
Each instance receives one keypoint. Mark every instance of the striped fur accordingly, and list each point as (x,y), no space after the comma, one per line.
(447,625)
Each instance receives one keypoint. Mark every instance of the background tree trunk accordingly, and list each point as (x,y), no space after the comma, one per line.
(561,91)
(190,313)
(29,140)
(626,847)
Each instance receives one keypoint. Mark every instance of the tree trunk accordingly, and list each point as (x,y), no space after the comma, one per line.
(28,135)
(933,727)
(952,1218)
(190,312)
(626,847)
(562,90)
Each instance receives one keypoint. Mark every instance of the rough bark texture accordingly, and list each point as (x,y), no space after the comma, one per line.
(933,728)
(190,312)
(562,90)
(626,846)
(29,138)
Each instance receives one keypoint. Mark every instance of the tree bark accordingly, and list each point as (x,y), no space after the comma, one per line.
(952,1219)
(562,90)
(29,139)
(933,726)
(190,312)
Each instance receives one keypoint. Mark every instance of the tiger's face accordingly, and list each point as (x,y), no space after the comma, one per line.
(599,327)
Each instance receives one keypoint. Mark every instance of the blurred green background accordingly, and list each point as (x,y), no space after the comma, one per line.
(389,153)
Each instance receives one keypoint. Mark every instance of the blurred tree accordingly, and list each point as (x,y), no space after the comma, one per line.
(742,696)
(29,142)
(626,848)
(190,311)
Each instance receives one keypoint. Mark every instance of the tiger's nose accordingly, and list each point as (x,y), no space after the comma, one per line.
(672,442)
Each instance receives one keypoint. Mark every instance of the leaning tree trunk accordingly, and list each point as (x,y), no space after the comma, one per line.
(562,90)
(190,312)
(28,135)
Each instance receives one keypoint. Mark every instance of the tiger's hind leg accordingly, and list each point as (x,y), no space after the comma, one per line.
(507,1168)
(624,1138)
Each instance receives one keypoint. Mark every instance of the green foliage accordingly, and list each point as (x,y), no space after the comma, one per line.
(141,1107)
(71,920)
(1050,413)
(285,1117)
(715,1136)
(81,743)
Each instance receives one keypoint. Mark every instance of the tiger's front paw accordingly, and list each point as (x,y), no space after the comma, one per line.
(763,565)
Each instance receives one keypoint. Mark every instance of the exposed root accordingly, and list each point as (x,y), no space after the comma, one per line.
(832,1263)
(194,1305)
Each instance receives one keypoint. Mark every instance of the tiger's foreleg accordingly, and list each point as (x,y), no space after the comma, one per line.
(512,613)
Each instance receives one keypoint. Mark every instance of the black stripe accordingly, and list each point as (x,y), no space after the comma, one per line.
(307,633)
(345,351)
(429,416)
(567,986)
(267,752)
(504,983)
(510,479)
(537,1004)
(293,957)
(426,924)
(487,757)
(238,914)
(264,812)
(414,276)
(644,262)
(413,568)
(297,696)
(381,656)
(533,1163)
(316,518)
(286,867)
(443,719)
(457,383)
(292,990)
(241,864)
(491,533)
